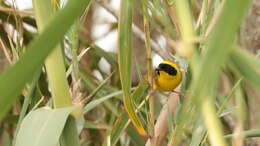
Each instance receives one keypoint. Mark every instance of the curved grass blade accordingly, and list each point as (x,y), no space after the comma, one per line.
(125,59)
(14,78)
(247,66)
(121,122)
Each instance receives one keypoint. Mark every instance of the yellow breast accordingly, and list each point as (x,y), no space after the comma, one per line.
(168,76)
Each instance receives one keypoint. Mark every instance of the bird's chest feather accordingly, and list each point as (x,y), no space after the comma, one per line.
(166,83)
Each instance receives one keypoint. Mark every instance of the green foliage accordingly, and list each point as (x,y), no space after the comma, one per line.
(29,63)
(125,61)
(217,96)
(43,127)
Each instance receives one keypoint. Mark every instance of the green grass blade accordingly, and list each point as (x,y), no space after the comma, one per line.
(110,57)
(140,91)
(228,97)
(27,101)
(186,25)
(247,66)
(125,59)
(37,51)
(56,71)
(74,41)
(213,124)
(217,50)
(118,128)
(96,102)
(100,86)
(247,133)
(90,85)
(69,135)
(43,127)
(121,123)
(125,46)
(135,138)
(200,134)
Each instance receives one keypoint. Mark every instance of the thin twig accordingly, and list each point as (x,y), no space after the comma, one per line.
(38,103)
(89,98)
(150,76)
(82,53)
(20,12)
(5,51)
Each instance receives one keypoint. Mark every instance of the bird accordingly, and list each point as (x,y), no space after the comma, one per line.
(167,76)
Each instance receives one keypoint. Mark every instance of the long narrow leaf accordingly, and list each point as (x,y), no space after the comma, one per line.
(247,133)
(96,102)
(125,59)
(247,67)
(121,122)
(10,83)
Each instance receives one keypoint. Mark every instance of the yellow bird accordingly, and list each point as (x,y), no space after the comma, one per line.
(167,76)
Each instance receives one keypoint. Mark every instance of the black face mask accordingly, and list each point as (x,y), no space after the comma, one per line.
(166,68)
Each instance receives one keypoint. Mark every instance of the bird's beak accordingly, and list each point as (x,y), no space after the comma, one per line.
(157,71)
